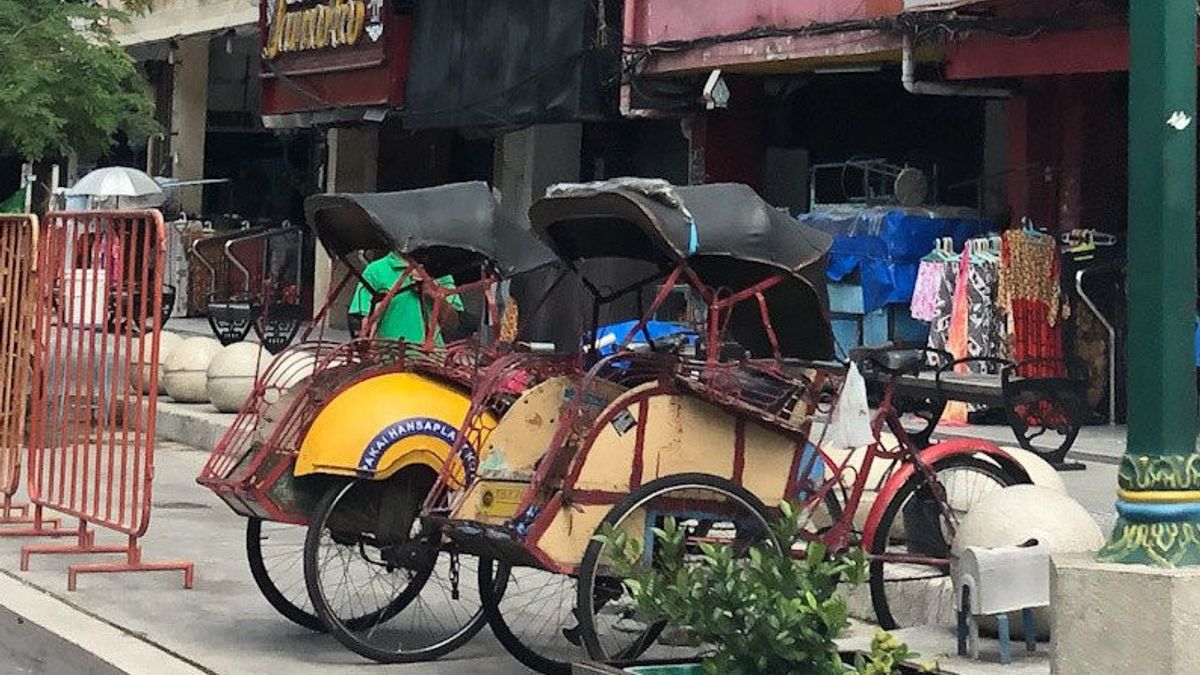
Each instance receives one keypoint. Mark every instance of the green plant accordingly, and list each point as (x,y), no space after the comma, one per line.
(763,611)
(887,653)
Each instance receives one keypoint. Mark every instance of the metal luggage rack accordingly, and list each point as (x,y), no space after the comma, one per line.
(228,326)
(274,307)
(268,304)
(1039,397)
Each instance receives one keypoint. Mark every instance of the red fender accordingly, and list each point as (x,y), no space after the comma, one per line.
(932,455)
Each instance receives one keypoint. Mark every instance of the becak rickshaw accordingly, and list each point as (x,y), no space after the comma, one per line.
(333,453)
(713,431)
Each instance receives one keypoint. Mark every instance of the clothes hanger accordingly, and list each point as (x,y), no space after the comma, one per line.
(1029,229)
(935,254)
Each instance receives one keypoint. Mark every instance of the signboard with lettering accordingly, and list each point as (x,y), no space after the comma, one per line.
(322,55)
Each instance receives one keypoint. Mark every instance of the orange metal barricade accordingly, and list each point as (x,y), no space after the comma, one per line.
(18,246)
(91,436)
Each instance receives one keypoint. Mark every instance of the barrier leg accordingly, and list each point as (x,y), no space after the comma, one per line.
(133,563)
(18,513)
(84,544)
(41,525)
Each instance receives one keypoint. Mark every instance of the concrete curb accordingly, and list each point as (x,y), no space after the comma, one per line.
(198,426)
(57,637)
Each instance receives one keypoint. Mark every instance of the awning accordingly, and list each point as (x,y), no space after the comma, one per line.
(184,18)
(508,62)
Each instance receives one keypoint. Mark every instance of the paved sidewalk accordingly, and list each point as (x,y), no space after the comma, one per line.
(221,626)
(1100,443)
(224,625)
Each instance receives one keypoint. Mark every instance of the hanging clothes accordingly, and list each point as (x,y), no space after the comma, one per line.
(985,329)
(925,292)
(943,306)
(1030,295)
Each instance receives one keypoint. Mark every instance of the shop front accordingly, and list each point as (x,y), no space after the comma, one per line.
(335,69)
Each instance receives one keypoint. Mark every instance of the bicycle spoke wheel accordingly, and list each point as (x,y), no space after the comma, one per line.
(275,552)
(911,551)
(711,510)
(385,588)
(532,613)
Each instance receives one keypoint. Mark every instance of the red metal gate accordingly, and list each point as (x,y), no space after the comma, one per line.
(18,246)
(91,436)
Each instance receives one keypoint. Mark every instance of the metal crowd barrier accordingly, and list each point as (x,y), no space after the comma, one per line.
(91,435)
(18,247)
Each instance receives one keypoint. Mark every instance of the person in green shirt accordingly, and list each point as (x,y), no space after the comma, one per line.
(404,318)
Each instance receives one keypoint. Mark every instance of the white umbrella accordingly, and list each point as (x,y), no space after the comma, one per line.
(118,182)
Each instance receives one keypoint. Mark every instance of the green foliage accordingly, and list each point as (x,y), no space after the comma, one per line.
(65,82)
(887,653)
(763,611)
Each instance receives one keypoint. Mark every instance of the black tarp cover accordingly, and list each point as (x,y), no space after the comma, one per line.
(446,228)
(506,63)
(737,241)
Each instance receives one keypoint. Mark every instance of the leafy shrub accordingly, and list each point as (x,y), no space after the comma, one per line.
(762,610)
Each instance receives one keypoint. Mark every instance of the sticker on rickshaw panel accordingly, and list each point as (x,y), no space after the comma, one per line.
(500,500)
(415,427)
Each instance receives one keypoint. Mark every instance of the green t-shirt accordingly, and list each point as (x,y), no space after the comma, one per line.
(404,317)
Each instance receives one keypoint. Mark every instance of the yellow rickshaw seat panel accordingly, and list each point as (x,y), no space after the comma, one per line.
(377,426)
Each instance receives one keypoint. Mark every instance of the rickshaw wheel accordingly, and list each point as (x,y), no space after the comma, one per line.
(538,601)
(289,597)
(914,525)
(372,529)
(609,626)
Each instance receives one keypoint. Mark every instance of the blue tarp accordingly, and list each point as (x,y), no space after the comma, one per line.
(885,245)
(609,336)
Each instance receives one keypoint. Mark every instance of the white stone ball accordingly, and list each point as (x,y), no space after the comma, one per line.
(1040,471)
(291,368)
(1016,514)
(139,375)
(185,371)
(231,375)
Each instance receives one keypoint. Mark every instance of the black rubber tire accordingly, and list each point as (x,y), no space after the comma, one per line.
(879,600)
(342,632)
(492,583)
(591,557)
(267,586)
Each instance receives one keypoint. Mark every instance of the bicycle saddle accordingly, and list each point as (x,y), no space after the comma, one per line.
(893,361)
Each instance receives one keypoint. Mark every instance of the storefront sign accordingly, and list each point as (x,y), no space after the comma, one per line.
(304,25)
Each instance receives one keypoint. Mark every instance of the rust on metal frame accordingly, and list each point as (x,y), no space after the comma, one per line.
(91,439)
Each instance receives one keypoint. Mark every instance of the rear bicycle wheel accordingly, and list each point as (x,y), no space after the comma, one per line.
(532,614)
(384,587)
(711,509)
(912,547)
(275,552)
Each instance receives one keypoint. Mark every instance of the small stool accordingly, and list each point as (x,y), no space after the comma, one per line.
(995,582)
(968,633)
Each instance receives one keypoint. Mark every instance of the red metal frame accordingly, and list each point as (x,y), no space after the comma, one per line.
(18,253)
(246,465)
(91,439)
(779,391)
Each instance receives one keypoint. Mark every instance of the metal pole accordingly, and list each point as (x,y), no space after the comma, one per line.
(1159,479)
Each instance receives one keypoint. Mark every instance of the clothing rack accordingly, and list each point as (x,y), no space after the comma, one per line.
(1087,242)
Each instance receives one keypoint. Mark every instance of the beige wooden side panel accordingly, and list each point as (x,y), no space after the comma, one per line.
(686,435)
(768,461)
(569,533)
(609,460)
(525,431)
